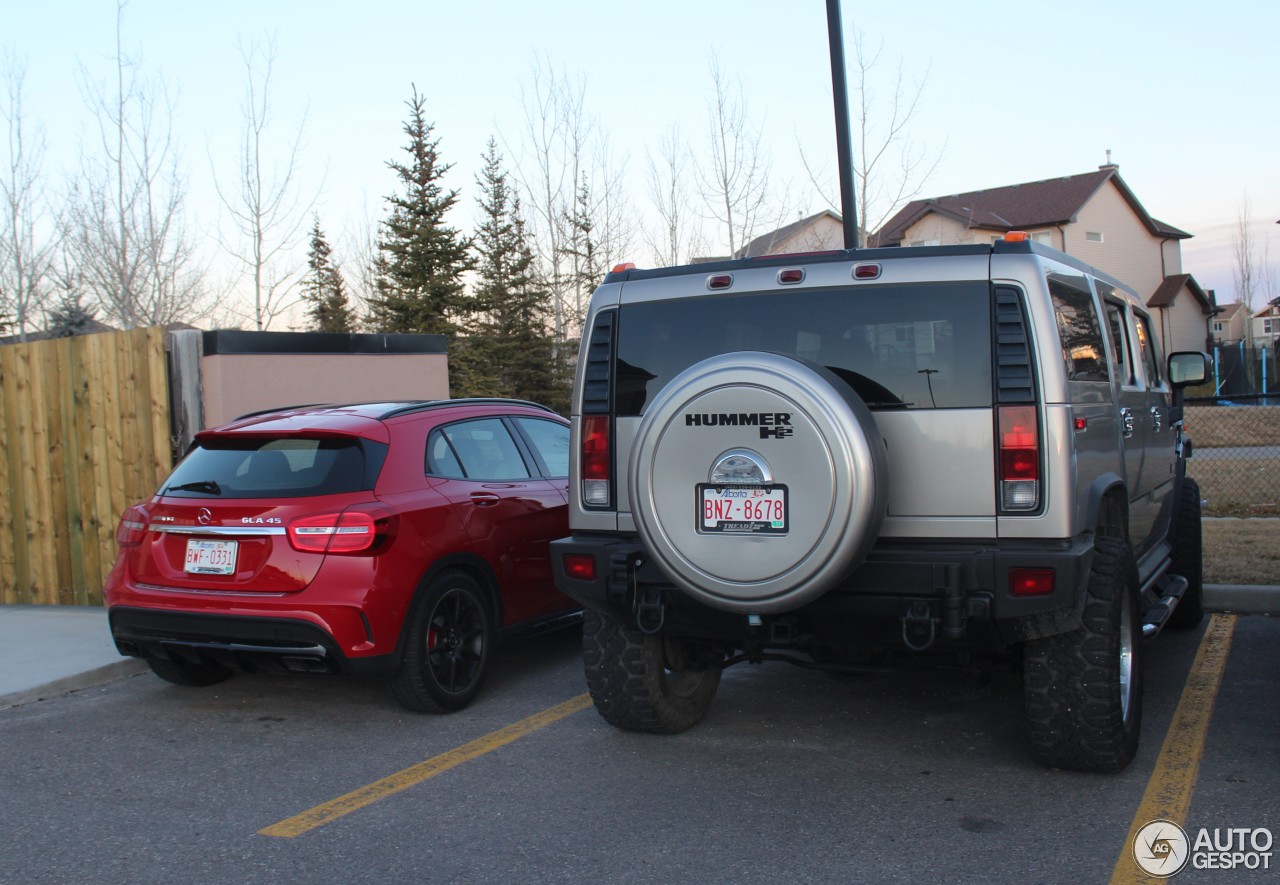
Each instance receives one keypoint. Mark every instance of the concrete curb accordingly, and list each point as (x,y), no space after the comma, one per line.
(121,669)
(1245,599)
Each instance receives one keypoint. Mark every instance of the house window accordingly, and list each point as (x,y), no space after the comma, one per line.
(1043,236)
(1217,327)
(1093,236)
(1269,327)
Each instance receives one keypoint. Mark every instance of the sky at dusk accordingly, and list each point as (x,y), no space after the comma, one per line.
(1183,95)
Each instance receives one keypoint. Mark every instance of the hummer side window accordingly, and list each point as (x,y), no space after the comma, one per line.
(1078,329)
(1149,348)
(1121,359)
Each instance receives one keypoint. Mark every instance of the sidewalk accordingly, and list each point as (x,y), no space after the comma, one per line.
(48,650)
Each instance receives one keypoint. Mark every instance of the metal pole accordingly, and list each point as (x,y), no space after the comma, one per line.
(844,147)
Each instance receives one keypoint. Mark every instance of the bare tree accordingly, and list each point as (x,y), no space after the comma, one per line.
(734,185)
(1244,250)
(265,207)
(676,236)
(573,190)
(28,237)
(124,227)
(889,169)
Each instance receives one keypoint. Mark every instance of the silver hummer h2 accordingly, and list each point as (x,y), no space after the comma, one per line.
(840,458)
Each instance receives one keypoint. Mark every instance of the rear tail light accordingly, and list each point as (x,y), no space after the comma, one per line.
(132,528)
(351,531)
(596,460)
(581,566)
(1031,581)
(1019,458)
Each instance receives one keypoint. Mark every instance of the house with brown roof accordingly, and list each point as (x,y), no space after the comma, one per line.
(1230,323)
(816,233)
(1094,217)
(1266,327)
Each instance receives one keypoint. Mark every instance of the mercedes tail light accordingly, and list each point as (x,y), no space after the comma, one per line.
(132,528)
(1019,458)
(351,531)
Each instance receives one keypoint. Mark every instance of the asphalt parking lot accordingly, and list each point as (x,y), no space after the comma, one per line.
(908,776)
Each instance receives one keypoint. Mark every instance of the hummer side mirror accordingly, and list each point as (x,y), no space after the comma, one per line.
(1188,368)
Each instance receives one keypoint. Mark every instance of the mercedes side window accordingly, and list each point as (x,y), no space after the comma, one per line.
(550,442)
(1149,349)
(483,449)
(1078,329)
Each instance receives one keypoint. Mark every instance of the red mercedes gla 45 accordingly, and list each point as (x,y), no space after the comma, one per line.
(398,540)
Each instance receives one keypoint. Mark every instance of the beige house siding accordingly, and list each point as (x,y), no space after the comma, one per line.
(1232,321)
(1127,251)
(1182,324)
(939,230)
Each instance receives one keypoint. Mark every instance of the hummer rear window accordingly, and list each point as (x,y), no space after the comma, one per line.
(899,347)
(275,468)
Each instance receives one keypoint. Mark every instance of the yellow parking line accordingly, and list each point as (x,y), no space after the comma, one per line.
(1168,795)
(416,774)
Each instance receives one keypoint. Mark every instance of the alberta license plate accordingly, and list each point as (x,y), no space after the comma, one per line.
(210,557)
(759,510)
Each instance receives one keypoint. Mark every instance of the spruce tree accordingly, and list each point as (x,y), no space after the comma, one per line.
(71,317)
(510,349)
(420,259)
(328,307)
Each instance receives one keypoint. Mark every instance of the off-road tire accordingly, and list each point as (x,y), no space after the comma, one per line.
(1073,681)
(1188,559)
(446,654)
(632,681)
(188,674)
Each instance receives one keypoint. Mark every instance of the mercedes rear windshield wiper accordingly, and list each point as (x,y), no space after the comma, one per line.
(204,485)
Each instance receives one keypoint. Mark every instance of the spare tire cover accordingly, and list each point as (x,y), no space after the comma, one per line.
(767,421)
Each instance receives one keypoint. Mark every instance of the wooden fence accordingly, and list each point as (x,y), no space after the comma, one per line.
(84,432)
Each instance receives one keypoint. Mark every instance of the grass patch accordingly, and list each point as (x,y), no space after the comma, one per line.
(1212,427)
(1238,486)
(1241,551)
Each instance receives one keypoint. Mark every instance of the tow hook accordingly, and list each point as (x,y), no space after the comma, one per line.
(919,626)
(650,610)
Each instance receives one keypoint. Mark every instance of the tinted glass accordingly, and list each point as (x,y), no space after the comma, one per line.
(551,441)
(910,346)
(274,468)
(481,449)
(1078,329)
(1120,361)
(1149,348)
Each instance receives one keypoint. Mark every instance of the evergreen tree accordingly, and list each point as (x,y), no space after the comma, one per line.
(323,290)
(510,350)
(585,264)
(71,317)
(420,259)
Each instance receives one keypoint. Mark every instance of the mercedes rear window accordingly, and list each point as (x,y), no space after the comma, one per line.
(276,468)
(917,346)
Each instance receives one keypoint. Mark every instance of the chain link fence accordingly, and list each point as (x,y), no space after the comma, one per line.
(1236,453)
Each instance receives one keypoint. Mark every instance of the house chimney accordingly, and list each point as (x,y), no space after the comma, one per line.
(1109,165)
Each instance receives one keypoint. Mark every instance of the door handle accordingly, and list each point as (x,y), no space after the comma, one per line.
(1126,421)
(1156,422)
(484,499)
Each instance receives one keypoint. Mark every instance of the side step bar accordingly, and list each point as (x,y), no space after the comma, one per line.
(1162,596)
